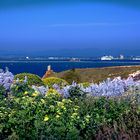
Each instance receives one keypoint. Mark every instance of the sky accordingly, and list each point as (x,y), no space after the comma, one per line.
(84,28)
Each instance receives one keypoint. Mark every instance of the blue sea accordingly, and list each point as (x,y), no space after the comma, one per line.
(40,67)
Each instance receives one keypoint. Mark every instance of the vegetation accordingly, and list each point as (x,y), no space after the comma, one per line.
(109,110)
(2,91)
(97,75)
(71,76)
(85,84)
(37,117)
(76,92)
(18,89)
(53,117)
(53,80)
(32,79)
(112,118)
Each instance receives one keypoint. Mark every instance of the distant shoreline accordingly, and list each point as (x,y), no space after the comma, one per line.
(60,61)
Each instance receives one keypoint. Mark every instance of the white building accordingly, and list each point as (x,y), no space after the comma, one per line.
(137,58)
(27,58)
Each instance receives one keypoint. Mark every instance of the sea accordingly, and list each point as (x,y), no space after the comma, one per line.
(40,67)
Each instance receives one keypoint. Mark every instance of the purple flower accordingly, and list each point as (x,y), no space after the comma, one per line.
(6,79)
(42,90)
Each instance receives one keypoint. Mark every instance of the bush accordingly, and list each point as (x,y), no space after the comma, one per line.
(111,118)
(52,117)
(75,91)
(32,79)
(2,92)
(50,82)
(46,118)
(66,113)
(20,89)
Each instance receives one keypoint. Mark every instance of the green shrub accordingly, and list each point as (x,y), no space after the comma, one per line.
(46,118)
(53,95)
(53,117)
(76,92)
(53,80)
(111,118)
(21,89)
(32,79)
(2,92)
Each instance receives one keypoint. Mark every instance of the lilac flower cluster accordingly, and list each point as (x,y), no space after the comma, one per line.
(6,79)
(109,87)
(42,90)
(65,90)
(115,87)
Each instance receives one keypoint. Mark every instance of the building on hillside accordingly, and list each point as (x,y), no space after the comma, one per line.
(49,73)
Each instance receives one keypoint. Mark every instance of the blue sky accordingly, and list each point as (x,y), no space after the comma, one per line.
(69,29)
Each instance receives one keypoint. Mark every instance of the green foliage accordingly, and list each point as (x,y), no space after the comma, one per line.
(46,118)
(21,89)
(25,114)
(53,80)
(2,92)
(52,117)
(32,79)
(52,94)
(76,92)
(111,118)
(71,76)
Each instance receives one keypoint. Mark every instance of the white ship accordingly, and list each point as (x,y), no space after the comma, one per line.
(107,58)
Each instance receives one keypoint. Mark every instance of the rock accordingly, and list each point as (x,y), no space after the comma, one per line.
(135,76)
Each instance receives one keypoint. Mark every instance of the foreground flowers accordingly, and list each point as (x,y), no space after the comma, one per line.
(54,117)
(76,111)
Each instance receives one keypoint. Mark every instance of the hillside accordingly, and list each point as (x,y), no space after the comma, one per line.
(97,74)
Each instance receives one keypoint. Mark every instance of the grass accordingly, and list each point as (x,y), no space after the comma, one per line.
(97,74)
